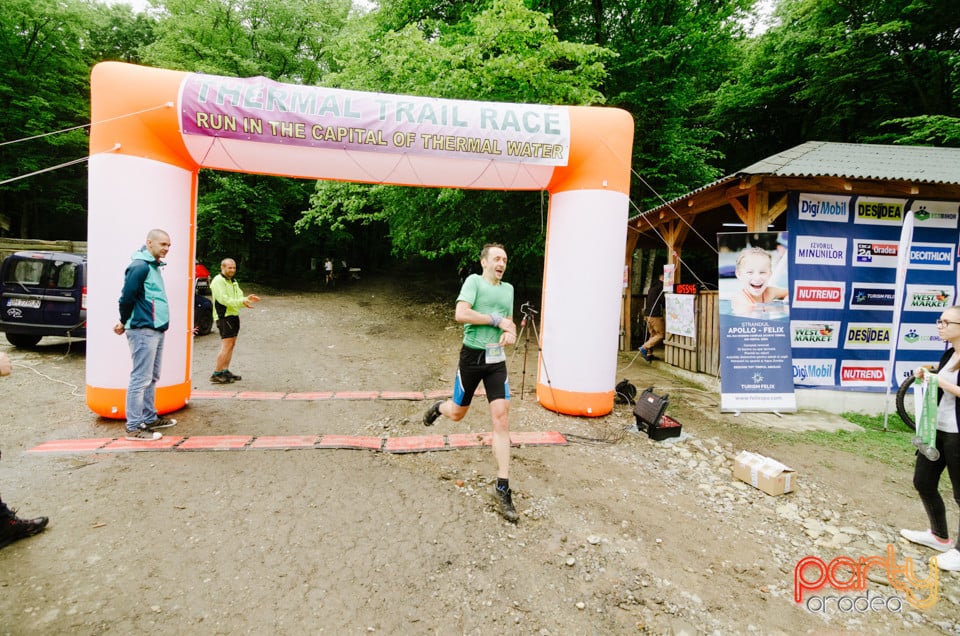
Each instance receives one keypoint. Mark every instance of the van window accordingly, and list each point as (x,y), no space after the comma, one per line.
(25,272)
(66,275)
(43,273)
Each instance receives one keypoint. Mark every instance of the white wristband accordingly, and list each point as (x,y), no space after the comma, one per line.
(495,320)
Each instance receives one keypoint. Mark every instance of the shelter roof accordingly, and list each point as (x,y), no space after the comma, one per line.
(861,162)
(921,164)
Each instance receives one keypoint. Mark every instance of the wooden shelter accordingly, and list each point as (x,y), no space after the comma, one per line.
(754,200)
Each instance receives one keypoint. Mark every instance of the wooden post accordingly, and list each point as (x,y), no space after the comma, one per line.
(626,324)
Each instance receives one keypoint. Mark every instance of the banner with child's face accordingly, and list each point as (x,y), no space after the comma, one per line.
(756,367)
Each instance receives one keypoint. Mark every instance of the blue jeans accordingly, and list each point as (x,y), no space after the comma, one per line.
(146,349)
(926,479)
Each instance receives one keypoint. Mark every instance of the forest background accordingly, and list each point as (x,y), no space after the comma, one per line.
(710,90)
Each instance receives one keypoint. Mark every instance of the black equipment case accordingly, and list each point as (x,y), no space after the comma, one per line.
(649,412)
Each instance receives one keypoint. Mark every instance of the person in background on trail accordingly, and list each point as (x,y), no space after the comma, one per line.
(654,318)
(13,528)
(926,474)
(485,308)
(328,271)
(754,270)
(144,318)
(228,299)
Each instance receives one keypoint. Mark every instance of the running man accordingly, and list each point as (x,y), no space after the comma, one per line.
(485,307)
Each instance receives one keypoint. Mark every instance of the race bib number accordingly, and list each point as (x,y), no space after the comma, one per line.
(495,353)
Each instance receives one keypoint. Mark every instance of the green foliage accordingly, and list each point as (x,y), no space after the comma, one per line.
(396,14)
(44,71)
(928,130)
(117,33)
(285,40)
(671,57)
(250,217)
(436,224)
(47,49)
(863,71)
(706,99)
(501,52)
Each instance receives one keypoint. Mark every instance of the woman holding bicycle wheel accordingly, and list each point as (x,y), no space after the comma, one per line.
(926,475)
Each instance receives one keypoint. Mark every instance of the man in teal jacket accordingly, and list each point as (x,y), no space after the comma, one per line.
(228,299)
(145,317)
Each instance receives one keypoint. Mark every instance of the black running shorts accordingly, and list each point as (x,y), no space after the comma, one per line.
(229,326)
(472,370)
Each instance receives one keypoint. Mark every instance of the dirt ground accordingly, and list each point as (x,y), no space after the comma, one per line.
(618,534)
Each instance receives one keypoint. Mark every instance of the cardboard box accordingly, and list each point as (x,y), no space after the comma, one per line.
(764,473)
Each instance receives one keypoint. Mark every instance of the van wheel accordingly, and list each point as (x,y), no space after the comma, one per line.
(204,324)
(23,340)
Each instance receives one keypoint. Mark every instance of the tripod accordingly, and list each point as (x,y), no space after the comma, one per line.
(528,318)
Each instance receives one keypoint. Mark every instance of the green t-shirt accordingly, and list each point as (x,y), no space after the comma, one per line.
(487,299)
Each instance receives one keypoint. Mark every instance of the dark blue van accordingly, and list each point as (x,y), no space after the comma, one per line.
(43,294)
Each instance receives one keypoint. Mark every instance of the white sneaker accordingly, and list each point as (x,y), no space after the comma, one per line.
(927,538)
(949,561)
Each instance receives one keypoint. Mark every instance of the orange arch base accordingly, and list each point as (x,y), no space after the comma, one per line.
(575,402)
(112,402)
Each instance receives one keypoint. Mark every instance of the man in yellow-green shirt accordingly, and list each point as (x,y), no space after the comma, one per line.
(228,299)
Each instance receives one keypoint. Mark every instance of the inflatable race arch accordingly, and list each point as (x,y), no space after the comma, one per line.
(153,129)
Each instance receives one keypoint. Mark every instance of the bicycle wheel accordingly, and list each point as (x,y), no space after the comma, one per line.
(905,402)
